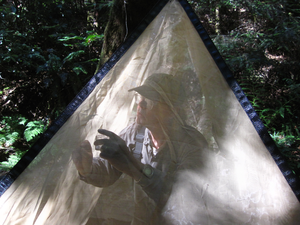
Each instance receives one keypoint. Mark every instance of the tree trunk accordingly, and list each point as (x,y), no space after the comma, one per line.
(124,17)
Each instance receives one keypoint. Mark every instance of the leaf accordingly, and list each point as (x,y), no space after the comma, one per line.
(11,162)
(34,128)
(10,58)
(50,27)
(22,121)
(73,55)
(281,111)
(11,138)
(93,37)
(79,69)
(68,45)
(67,38)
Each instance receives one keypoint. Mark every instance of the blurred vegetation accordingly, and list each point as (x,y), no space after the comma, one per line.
(50,49)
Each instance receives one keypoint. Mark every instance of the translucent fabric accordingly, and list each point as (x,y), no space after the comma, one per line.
(210,168)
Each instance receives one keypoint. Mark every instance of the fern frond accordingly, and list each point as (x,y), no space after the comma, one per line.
(33,129)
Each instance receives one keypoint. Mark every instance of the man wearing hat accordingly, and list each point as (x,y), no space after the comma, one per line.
(153,151)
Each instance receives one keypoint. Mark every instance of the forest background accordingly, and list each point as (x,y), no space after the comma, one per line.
(49,50)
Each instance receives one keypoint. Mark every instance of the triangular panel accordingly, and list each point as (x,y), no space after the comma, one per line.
(212,165)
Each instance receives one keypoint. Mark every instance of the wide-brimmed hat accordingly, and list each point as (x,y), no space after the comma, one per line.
(163,88)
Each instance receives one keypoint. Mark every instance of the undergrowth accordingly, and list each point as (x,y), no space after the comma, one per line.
(17,134)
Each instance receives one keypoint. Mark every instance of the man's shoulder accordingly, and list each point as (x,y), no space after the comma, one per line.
(131,128)
(129,132)
(194,136)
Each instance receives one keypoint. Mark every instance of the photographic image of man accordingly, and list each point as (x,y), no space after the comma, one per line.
(152,151)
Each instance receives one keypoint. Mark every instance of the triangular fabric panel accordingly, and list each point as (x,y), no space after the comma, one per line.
(211,166)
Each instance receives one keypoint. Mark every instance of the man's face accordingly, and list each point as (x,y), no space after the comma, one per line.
(151,113)
(146,112)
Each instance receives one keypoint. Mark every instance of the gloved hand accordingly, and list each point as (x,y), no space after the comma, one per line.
(116,152)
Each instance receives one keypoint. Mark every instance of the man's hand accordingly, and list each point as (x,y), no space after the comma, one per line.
(116,152)
(83,157)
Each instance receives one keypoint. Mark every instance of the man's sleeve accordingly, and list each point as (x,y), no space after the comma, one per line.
(154,186)
(159,186)
(103,174)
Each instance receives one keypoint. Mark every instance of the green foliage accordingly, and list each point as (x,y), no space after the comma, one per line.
(33,129)
(48,51)
(262,51)
(15,128)
(285,144)
(11,130)
(9,139)
(12,161)
(17,134)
